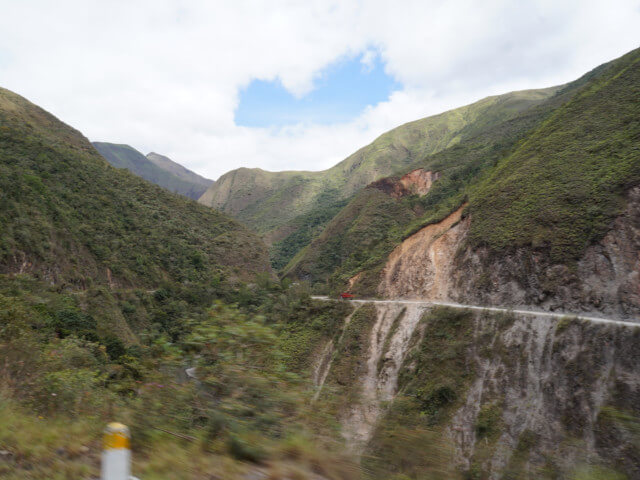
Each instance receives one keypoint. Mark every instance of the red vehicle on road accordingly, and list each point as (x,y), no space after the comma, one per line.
(346,296)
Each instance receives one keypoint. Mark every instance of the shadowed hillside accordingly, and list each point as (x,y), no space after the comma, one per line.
(155,168)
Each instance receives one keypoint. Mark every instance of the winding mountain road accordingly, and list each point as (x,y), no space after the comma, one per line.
(539,313)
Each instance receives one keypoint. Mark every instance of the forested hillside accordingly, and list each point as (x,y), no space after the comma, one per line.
(120,300)
(69,217)
(111,290)
(362,234)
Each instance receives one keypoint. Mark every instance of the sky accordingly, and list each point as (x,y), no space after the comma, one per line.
(289,85)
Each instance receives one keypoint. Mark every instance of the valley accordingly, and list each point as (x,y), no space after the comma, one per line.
(491,254)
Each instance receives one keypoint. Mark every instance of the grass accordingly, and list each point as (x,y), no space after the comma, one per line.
(549,178)
(350,357)
(44,447)
(561,188)
(362,235)
(442,373)
(60,374)
(308,329)
(410,439)
(305,228)
(405,447)
(60,448)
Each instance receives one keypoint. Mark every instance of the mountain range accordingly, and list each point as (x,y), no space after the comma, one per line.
(537,199)
(289,208)
(493,251)
(155,168)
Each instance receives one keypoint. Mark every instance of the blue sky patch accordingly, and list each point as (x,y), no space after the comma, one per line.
(340,94)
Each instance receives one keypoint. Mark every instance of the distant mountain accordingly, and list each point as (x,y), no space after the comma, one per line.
(288,208)
(178,170)
(68,217)
(155,168)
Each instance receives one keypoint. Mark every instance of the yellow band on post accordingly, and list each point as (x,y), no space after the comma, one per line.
(116,436)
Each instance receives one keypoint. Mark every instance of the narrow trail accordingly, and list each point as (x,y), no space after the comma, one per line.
(541,313)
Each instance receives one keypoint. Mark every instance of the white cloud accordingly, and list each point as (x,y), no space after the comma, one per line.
(165,75)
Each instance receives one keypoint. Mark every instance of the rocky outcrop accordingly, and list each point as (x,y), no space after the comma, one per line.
(605,279)
(422,266)
(564,387)
(437,264)
(416,182)
(561,393)
(419,181)
(380,351)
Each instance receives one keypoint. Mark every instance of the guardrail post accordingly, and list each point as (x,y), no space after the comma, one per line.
(116,452)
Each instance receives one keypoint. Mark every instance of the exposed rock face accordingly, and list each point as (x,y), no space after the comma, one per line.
(419,181)
(353,280)
(605,279)
(387,346)
(323,364)
(416,182)
(565,392)
(556,384)
(422,266)
(431,265)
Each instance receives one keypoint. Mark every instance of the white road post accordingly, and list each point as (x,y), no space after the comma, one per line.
(116,453)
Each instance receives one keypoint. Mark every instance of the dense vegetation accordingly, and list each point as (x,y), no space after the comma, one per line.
(68,216)
(562,187)
(122,301)
(359,236)
(110,289)
(415,439)
(305,228)
(409,442)
(73,362)
(363,234)
(154,168)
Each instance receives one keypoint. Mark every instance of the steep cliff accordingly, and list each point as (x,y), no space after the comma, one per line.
(422,266)
(448,393)
(551,217)
(520,397)
(556,225)
(606,278)
(438,263)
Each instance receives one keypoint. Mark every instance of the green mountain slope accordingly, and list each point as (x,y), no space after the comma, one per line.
(551,178)
(68,216)
(109,287)
(562,187)
(155,168)
(275,203)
